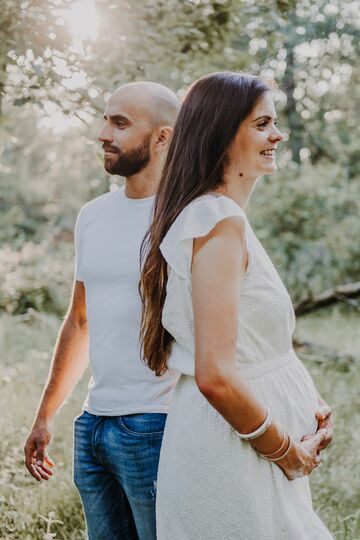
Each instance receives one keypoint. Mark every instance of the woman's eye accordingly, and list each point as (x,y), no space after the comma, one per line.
(263,124)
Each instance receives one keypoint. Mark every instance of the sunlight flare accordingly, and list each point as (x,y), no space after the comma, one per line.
(83,20)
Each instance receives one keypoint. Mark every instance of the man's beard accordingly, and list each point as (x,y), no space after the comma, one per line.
(131,162)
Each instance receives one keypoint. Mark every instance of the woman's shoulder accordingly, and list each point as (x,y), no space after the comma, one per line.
(215,199)
(204,212)
(212,205)
(197,219)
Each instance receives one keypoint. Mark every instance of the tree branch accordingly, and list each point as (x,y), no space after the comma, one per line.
(342,293)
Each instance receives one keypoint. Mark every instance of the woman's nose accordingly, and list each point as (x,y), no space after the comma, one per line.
(276,135)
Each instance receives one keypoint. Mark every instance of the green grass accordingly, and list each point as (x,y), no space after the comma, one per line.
(336,484)
(27,507)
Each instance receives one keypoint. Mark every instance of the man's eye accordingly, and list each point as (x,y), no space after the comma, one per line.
(263,124)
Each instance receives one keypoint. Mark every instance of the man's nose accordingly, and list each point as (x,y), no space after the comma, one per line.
(105,134)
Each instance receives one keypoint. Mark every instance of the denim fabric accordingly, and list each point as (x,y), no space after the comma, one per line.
(115,470)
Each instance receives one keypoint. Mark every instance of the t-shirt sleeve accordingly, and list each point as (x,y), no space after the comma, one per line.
(196,220)
(78,243)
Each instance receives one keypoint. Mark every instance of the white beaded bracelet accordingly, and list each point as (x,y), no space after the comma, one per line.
(259,431)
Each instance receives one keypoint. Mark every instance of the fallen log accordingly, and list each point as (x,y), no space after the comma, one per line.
(342,293)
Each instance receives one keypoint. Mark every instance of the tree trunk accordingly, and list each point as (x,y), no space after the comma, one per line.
(294,122)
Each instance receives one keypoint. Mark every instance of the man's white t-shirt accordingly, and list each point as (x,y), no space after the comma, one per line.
(108,236)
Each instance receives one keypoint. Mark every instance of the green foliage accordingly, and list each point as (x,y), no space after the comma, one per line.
(308,218)
(36,277)
(40,196)
(307,214)
(310,47)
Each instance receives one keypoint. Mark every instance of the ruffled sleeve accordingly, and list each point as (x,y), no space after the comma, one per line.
(196,220)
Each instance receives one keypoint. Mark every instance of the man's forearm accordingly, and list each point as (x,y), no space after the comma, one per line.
(69,362)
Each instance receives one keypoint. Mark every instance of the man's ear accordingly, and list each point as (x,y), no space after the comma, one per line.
(163,138)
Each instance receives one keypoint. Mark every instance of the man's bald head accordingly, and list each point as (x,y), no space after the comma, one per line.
(139,118)
(157,102)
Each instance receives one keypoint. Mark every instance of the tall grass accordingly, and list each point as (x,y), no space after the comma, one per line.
(29,510)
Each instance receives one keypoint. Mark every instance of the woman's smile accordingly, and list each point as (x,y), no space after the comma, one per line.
(269,153)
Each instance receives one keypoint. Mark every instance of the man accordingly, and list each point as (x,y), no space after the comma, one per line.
(118,435)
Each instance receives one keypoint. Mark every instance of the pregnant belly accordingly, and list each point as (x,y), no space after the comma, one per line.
(290,394)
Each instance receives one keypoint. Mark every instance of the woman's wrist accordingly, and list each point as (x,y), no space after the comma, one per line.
(279,451)
(260,430)
(282,452)
(270,442)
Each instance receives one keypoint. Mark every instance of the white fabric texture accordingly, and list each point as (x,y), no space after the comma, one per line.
(211,484)
(108,235)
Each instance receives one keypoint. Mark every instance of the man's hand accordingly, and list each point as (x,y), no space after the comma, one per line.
(37,461)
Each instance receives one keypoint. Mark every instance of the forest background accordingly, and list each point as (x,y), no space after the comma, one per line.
(59,61)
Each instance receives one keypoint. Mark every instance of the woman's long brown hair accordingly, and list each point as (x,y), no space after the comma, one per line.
(206,126)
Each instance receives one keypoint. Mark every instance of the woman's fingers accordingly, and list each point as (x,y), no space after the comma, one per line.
(309,450)
(327,440)
(327,424)
(313,442)
(323,412)
(320,437)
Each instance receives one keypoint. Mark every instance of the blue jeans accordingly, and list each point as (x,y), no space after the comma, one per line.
(115,469)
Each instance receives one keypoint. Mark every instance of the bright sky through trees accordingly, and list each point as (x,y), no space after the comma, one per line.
(82,19)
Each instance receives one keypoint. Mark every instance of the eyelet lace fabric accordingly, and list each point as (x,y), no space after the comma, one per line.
(211,484)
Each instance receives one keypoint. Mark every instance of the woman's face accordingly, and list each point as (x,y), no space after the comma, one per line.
(253,150)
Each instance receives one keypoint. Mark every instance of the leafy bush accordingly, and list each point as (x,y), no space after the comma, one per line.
(308,219)
(38,276)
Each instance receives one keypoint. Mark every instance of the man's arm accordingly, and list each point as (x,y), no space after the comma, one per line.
(69,362)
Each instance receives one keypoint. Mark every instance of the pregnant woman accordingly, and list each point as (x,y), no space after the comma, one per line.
(234,461)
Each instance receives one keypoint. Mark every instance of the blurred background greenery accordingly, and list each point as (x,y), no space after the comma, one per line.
(59,60)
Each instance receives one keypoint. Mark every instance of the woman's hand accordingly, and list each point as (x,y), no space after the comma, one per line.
(325,421)
(303,457)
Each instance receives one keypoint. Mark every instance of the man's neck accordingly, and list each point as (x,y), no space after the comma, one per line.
(142,185)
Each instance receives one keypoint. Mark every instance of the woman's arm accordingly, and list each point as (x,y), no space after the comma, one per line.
(218,271)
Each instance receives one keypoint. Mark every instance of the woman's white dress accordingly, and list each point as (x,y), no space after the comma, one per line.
(211,484)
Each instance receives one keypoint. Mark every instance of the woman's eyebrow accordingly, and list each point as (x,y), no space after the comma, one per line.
(265,117)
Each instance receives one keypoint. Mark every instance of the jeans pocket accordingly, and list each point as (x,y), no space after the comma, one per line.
(84,415)
(143,424)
